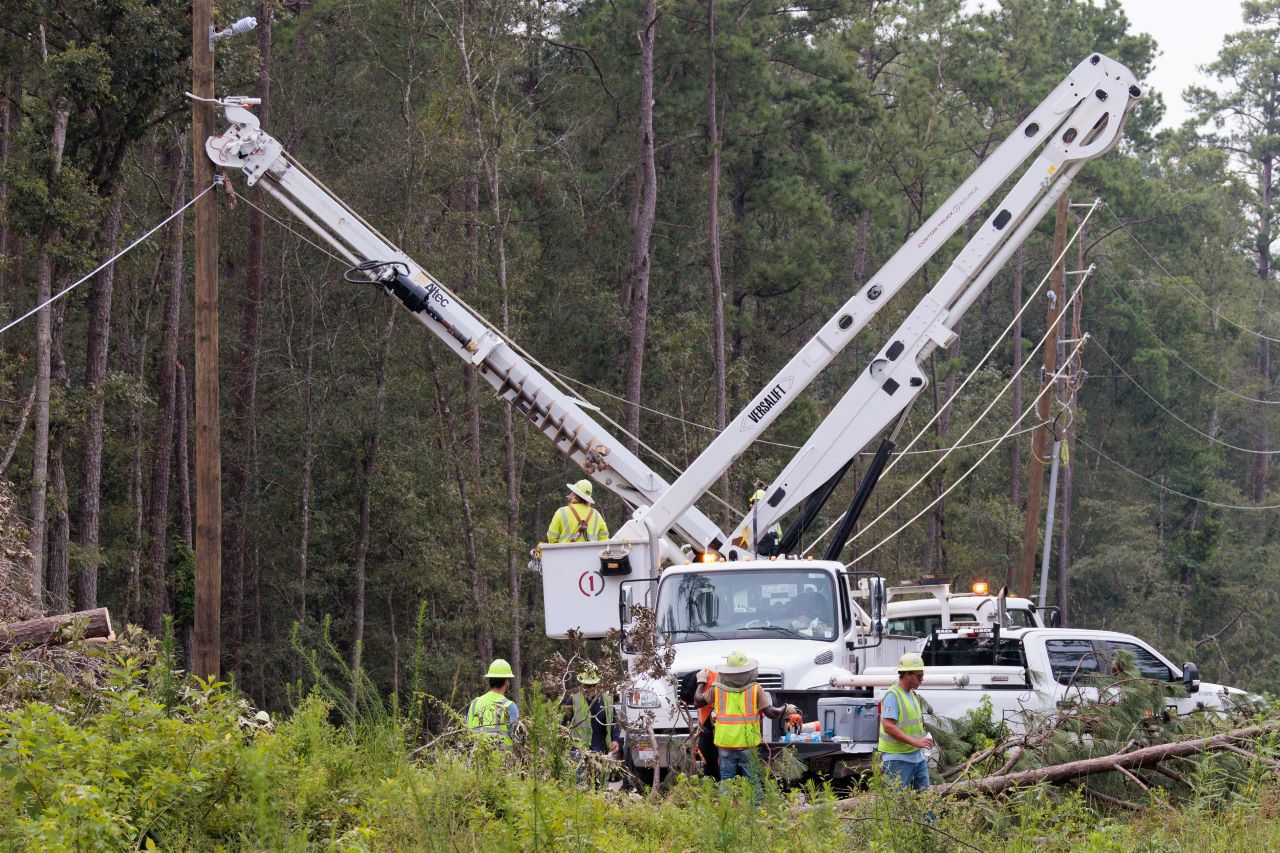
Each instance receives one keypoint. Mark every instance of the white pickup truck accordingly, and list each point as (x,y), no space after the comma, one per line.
(1028,671)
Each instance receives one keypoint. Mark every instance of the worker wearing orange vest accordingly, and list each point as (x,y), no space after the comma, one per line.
(739,701)
(578,521)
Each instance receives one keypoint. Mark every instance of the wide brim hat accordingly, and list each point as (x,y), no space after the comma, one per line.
(587,677)
(586,497)
(728,668)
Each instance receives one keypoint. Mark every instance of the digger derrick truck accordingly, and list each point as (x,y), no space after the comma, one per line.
(717,591)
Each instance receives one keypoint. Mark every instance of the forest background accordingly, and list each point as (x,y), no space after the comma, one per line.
(660,201)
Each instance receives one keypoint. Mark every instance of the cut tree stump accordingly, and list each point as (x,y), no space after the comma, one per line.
(52,630)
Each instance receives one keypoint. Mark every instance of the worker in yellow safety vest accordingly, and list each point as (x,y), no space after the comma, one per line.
(904,744)
(578,521)
(739,701)
(769,539)
(493,714)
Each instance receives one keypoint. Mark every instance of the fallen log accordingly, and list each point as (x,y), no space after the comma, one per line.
(1147,757)
(52,630)
(1138,758)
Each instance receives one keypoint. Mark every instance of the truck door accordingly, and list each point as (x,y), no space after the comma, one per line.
(1149,665)
(1074,665)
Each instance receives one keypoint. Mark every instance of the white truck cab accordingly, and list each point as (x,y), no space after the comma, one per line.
(800,618)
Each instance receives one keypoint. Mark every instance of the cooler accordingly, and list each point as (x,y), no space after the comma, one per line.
(853,717)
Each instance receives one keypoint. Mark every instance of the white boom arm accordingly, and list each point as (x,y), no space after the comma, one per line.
(1080,120)
(263,160)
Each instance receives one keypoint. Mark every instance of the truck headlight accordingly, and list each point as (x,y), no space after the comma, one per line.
(642,697)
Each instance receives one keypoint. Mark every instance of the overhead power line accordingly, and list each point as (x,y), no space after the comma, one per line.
(109,261)
(1177,355)
(1178,281)
(1164,488)
(1049,383)
(1180,419)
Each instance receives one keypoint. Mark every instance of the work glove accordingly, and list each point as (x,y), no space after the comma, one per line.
(788,710)
(703,675)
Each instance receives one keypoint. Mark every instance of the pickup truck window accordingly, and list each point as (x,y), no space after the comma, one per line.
(1147,664)
(922,626)
(1071,659)
(974,651)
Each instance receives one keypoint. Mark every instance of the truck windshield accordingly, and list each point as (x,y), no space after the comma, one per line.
(732,605)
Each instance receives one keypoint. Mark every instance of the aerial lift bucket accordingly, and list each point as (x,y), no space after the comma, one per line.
(583,583)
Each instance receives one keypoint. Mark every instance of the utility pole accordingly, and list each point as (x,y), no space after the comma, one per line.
(208,605)
(1019,581)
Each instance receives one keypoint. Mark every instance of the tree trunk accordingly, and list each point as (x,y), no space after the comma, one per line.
(1015,342)
(642,228)
(89,509)
(59,535)
(6,133)
(1261,433)
(494,173)
(448,439)
(471,215)
(308,455)
(239,483)
(156,598)
(44,344)
(368,467)
(713,247)
(182,458)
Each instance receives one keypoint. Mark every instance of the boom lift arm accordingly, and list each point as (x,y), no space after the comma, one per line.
(1081,119)
(246,147)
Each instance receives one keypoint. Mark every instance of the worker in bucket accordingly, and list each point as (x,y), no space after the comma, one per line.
(578,520)
(739,701)
(493,714)
(904,744)
(768,540)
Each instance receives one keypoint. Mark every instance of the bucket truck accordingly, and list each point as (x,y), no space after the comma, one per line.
(803,619)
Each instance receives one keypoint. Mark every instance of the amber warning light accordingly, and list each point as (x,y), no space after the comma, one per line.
(980,588)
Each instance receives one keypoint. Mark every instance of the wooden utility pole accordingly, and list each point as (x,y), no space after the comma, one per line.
(208,608)
(1019,580)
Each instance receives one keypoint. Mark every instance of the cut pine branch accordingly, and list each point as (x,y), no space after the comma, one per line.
(53,630)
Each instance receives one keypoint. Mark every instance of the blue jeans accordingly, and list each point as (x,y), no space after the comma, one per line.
(740,762)
(906,774)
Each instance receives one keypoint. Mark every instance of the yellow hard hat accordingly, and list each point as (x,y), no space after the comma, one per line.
(589,675)
(582,489)
(911,662)
(738,662)
(499,669)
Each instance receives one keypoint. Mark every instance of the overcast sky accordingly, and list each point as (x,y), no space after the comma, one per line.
(1188,34)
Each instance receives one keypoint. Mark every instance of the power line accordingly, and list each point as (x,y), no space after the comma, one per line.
(1007,329)
(1151,331)
(1178,281)
(563,381)
(1048,386)
(1165,488)
(109,261)
(1178,418)
(1008,384)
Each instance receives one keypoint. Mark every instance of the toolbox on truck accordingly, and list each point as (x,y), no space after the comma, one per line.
(853,717)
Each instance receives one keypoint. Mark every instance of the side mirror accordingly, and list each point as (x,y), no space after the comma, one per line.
(879,597)
(1053,618)
(1191,677)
